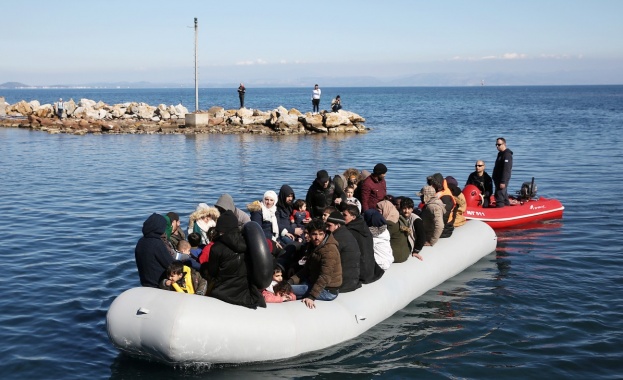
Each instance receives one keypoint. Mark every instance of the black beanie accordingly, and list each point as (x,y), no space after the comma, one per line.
(336,217)
(379,169)
(226,222)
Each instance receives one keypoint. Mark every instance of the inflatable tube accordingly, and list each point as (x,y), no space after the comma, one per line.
(261,258)
(162,326)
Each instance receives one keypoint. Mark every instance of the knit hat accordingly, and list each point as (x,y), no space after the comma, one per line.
(426,190)
(322,176)
(374,218)
(226,222)
(379,169)
(336,217)
(451,181)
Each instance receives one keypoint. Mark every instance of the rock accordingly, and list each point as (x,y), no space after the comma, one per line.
(244,113)
(335,119)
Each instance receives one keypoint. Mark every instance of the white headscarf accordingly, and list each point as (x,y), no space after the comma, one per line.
(268,214)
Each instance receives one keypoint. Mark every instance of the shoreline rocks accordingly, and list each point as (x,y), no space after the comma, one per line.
(88,116)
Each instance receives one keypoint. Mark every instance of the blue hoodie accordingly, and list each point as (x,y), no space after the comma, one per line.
(151,254)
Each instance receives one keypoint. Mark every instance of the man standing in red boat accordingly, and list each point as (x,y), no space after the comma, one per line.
(502,172)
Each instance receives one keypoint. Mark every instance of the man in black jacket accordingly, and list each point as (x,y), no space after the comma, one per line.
(369,271)
(350,256)
(482,180)
(502,172)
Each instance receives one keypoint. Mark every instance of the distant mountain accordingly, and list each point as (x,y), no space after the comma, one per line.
(13,85)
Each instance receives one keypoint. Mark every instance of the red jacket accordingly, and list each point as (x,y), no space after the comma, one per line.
(372,192)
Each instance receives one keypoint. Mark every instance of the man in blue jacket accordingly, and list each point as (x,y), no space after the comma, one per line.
(151,254)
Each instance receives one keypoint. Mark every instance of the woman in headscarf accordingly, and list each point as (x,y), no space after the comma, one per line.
(264,213)
(399,236)
(432,215)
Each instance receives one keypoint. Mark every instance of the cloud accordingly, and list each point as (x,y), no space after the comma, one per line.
(258,61)
(503,57)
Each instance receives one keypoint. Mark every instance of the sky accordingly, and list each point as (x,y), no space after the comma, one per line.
(298,43)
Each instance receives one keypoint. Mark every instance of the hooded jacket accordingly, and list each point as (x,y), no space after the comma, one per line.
(151,254)
(227,272)
(503,167)
(360,231)
(432,219)
(226,202)
(350,257)
(284,210)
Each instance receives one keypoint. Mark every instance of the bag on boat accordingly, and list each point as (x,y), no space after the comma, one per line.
(528,190)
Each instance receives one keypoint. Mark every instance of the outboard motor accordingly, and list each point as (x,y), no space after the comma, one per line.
(528,191)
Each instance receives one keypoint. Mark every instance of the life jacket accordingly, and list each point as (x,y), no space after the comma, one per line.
(187,284)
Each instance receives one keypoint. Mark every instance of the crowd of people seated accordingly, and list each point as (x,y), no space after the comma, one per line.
(345,234)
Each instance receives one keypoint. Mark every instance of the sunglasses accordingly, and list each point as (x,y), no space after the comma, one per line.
(499,144)
(478,166)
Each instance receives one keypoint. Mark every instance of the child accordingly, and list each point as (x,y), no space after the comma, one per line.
(195,244)
(350,197)
(416,237)
(300,216)
(183,279)
(279,290)
(183,254)
(204,256)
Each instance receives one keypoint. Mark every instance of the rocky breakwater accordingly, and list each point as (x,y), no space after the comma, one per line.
(88,116)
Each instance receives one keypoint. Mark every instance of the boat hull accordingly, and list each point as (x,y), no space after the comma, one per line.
(518,214)
(178,328)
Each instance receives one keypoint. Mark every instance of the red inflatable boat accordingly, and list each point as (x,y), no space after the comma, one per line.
(522,211)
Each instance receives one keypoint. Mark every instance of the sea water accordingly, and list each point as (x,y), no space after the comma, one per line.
(546,304)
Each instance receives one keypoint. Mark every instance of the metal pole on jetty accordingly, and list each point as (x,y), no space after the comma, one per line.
(196,72)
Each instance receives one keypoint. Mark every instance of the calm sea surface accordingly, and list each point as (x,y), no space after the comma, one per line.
(547,304)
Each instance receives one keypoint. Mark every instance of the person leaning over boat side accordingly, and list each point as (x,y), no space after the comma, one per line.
(350,255)
(321,276)
(226,270)
(432,215)
(374,188)
(226,202)
(416,235)
(398,232)
(151,254)
(369,271)
(241,91)
(502,172)
(321,194)
(482,180)
(459,200)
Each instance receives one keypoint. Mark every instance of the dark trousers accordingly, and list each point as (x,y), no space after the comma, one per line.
(241,96)
(316,105)
(501,196)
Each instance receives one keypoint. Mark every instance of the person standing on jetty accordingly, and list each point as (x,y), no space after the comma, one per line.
(502,172)
(316,99)
(241,91)
(59,108)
